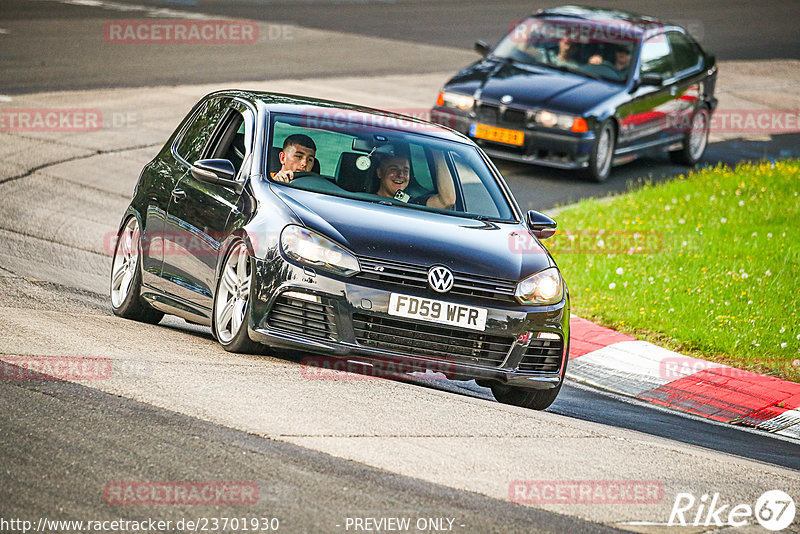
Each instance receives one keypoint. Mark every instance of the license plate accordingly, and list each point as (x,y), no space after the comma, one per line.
(500,135)
(437,311)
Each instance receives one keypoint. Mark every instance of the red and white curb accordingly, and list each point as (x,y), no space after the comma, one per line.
(617,362)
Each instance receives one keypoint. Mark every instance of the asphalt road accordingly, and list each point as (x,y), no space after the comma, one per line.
(66,441)
(55,45)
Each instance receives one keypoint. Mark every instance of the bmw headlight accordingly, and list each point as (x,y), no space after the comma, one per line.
(544,287)
(310,248)
(549,119)
(455,100)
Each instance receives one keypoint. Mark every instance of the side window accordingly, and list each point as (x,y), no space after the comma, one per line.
(420,167)
(685,54)
(476,198)
(656,57)
(197,133)
(230,139)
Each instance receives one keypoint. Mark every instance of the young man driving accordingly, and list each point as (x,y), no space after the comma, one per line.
(298,155)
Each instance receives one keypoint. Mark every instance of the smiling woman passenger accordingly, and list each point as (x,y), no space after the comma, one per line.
(394,174)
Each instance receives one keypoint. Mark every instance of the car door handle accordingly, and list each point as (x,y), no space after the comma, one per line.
(178,195)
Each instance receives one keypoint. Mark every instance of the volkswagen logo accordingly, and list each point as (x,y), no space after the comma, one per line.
(507,99)
(440,279)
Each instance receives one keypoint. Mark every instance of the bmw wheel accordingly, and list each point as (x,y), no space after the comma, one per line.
(231,300)
(602,153)
(695,140)
(126,277)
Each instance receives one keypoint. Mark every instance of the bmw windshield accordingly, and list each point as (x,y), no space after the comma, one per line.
(600,51)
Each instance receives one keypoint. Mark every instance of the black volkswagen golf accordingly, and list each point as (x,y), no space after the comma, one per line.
(318,226)
(583,88)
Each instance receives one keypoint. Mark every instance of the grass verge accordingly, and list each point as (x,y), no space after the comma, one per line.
(707,264)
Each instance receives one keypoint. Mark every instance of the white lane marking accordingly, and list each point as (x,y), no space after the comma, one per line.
(3,31)
(148,11)
(4,98)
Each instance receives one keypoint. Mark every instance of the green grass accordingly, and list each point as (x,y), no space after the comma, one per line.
(707,264)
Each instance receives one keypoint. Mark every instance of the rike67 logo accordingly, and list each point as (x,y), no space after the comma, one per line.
(774,510)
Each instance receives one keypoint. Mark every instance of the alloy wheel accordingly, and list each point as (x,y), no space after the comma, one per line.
(126,257)
(234,290)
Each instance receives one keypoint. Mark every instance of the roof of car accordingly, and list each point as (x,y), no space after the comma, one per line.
(342,112)
(641,23)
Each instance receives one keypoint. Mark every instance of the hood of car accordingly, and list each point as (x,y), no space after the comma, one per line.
(392,233)
(532,86)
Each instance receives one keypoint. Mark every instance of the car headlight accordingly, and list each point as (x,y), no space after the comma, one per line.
(310,248)
(549,119)
(455,100)
(544,287)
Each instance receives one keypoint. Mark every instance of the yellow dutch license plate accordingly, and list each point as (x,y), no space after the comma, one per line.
(499,135)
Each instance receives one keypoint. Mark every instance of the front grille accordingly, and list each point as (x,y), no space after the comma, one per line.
(542,356)
(494,114)
(401,275)
(309,318)
(489,113)
(417,339)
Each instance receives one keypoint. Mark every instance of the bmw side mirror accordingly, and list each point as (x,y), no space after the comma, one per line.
(482,47)
(215,171)
(541,225)
(654,80)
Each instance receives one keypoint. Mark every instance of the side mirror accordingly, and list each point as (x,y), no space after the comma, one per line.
(655,80)
(482,47)
(215,171)
(541,225)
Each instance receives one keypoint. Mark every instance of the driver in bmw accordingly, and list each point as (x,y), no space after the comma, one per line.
(298,155)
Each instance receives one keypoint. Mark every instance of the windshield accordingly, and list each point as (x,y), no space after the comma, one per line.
(369,163)
(601,51)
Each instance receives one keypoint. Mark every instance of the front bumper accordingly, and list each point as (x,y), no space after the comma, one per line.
(350,320)
(542,146)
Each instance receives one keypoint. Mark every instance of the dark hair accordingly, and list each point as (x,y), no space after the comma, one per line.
(299,139)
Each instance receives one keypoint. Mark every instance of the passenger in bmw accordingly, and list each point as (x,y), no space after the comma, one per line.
(393,175)
(298,154)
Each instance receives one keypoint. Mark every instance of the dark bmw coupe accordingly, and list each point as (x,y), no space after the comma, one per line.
(576,87)
(353,233)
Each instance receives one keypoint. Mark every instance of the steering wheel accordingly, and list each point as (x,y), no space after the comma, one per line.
(609,69)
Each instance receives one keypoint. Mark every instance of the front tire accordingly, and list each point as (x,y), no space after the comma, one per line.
(535,399)
(602,153)
(230,314)
(126,277)
(695,140)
